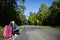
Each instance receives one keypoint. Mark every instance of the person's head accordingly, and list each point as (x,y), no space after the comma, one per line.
(12,22)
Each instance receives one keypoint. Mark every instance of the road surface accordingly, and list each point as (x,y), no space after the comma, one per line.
(33,33)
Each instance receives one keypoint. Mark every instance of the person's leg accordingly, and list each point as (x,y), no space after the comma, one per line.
(17,32)
(13,32)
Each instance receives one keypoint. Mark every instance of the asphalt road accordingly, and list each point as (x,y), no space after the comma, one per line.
(33,33)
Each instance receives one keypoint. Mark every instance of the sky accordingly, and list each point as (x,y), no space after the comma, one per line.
(33,5)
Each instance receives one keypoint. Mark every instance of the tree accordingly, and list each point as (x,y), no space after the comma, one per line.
(33,19)
(8,12)
(43,13)
(20,11)
(54,18)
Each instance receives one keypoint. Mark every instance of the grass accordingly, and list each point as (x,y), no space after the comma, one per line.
(19,27)
(1,31)
(57,28)
(50,27)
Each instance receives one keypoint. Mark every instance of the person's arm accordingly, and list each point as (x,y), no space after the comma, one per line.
(17,27)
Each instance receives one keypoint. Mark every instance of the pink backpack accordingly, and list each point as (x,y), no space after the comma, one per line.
(7,31)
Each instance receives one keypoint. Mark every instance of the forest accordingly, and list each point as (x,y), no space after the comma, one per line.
(46,15)
(9,10)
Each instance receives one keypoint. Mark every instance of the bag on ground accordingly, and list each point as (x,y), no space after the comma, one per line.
(7,31)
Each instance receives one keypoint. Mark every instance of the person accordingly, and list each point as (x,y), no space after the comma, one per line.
(15,30)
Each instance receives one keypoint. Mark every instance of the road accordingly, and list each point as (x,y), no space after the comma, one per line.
(33,33)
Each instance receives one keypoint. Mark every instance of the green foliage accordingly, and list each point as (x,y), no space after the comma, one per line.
(21,16)
(43,13)
(23,1)
(50,16)
(33,18)
(20,27)
(23,8)
(1,31)
(8,11)
(50,27)
(20,12)
(47,15)
(54,18)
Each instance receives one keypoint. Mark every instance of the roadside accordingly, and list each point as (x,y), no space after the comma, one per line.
(43,27)
(20,27)
(50,27)
(1,33)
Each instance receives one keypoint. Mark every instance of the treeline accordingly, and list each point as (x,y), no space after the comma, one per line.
(8,11)
(46,15)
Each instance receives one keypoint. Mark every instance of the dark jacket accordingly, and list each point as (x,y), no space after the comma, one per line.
(15,27)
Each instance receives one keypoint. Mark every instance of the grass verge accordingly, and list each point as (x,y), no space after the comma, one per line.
(50,27)
(1,31)
(19,27)
(57,27)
